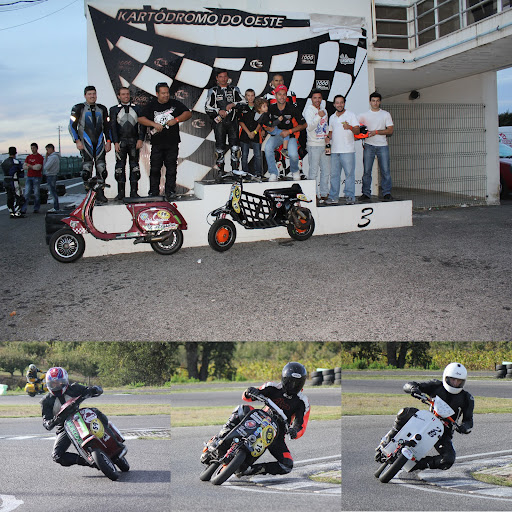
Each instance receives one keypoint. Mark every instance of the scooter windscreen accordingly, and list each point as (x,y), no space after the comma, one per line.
(441,408)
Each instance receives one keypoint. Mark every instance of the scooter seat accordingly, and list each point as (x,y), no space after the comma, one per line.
(288,191)
(150,199)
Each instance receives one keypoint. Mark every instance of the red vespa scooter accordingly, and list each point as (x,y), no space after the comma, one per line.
(154,221)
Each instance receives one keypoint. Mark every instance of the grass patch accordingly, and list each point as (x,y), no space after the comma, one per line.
(200,416)
(493,479)
(34,410)
(329,477)
(359,404)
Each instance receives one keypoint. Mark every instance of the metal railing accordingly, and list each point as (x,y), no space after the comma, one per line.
(428,20)
(438,154)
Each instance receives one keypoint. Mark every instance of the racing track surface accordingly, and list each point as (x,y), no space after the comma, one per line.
(28,473)
(362,491)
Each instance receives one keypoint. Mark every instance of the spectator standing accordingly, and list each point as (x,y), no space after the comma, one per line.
(128,137)
(89,127)
(163,116)
(13,171)
(249,134)
(34,167)
(317,130)
(292,123)
(380,126)
(51,169)
(343,125)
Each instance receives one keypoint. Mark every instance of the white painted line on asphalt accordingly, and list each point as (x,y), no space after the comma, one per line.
(227,485)
(9,503)
(502,452)
(318,458)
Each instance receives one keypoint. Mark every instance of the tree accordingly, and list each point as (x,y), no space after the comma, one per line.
(13,358)
(396,353)
(201,354)
(505,119)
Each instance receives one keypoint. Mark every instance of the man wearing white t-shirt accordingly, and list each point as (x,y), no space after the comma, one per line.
(317,129)
(380,125)
(343,125)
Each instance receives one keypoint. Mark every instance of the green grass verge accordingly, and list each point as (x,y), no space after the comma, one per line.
(363,404)
(329,477)
(34,410)
(200,416)
(493,479)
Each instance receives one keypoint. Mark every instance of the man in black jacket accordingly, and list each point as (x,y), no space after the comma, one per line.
(59,392)
(462,402)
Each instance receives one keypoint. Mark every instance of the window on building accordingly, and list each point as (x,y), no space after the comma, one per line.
(449,16)
(479,10)
(391,27)
(426,20)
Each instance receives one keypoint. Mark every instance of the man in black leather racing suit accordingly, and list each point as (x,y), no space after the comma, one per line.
(287,395)
(222,103)
(90,129)
(462,402)
(127,136)
(59,392)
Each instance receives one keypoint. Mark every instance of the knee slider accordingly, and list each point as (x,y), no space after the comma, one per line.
(120,176)
(86,174)
(135,174)
(236,153)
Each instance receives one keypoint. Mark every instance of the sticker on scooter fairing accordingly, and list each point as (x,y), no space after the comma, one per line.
(163,214)
(88,415)
(250,424)
(236,199)
(97,428)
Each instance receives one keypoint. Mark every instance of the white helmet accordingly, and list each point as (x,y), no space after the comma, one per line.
(454,371)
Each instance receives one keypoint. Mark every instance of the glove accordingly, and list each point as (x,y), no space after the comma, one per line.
(49,424)
(97,391)
(415,391)
(252,391)
(293,432)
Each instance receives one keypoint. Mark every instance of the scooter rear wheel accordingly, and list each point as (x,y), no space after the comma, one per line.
(104,464)
(222,235)
(171,245)
(309,226)
(122,464)
(67,246)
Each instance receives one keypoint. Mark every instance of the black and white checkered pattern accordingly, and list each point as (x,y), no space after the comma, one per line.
(139,59)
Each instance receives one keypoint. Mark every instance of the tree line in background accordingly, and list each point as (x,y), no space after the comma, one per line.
(505,119)
(427,355)
(155,364)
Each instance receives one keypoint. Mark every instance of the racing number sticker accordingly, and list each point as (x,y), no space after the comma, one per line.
(236,199)
(365,214)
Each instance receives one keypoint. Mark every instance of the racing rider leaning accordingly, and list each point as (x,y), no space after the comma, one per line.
(90,129)
(288,395)
(59,392)
(33,374)
(462,402)
(221,105)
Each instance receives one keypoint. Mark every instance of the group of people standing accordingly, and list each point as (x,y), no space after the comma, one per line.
(35,166)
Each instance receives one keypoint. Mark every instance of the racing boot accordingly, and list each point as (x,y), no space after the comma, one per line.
(133,189)
(256,469)
(120,191)
(422,464)
(100,197)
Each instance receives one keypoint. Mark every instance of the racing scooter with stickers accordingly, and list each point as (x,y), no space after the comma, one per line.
(100,445)
(154,221)
(244,444)
(415,439)
(276,207)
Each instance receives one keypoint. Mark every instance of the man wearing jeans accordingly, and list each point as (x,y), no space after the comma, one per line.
(34,167)
(343,126)
(380,125)
(290,122)
(51,168)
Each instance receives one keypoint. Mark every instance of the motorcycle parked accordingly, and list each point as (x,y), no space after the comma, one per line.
(246,442)
(416,438)
(37,388)
(277,207)
(154,221)
(100,445)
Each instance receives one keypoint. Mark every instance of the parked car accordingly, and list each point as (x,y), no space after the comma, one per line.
(505,170)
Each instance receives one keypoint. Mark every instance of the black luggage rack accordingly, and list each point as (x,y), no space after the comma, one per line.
(255,211)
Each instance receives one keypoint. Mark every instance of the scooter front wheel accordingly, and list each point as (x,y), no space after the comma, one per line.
(223,472)
(104,464)
(67,246)
(171,245)
(222,235)
(393,469)
(208,472)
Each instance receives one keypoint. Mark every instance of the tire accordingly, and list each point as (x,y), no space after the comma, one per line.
(326,373)
(122,464)
(337,382)
(302,234)
(382,467)
(31,394)
(500,367)
(315,374)
(393,469)
(104,464)
(222,235)
(171,245)
(67,246)
(222,473)
(208,472)
(316,381)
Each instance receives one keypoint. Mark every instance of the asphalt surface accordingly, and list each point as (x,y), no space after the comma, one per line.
(445,278)
(362,491)
(30,476)
(322,441)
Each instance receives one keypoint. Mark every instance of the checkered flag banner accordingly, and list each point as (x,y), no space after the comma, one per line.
(142,47)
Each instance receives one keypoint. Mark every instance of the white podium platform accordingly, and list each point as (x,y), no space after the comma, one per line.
(328,219)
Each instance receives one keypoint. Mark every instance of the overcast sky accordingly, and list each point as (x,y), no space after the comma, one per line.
(43,72)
